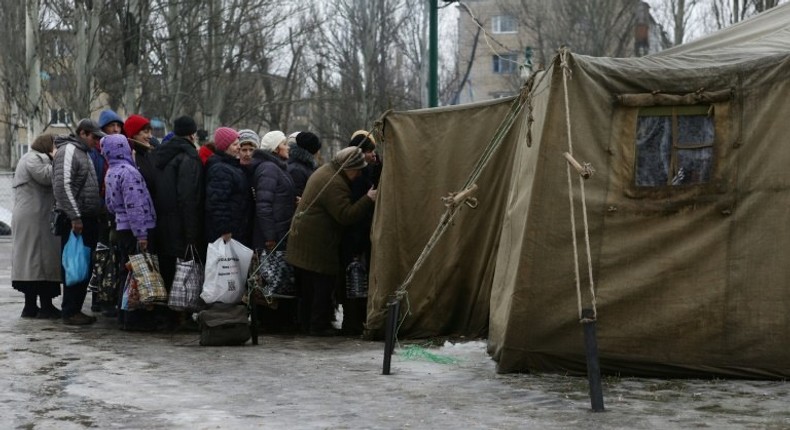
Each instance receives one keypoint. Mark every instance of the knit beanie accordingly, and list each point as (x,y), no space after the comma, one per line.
(184,126)
(349,159)
(308,141)
(363,139)
(224,137)
(271,140)
(248,136)
(108,116)
(134,124)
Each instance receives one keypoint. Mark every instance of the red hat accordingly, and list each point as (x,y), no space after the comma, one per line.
(224,137)
(134,124)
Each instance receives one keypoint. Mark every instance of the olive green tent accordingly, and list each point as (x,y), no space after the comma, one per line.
(686,213)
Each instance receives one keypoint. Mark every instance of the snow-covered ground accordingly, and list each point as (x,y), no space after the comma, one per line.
(59,377)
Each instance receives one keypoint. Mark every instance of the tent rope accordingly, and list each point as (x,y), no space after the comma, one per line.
(566,74)
(455,200)
(250,284)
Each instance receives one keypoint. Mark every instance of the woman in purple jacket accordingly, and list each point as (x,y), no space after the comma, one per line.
(127,197)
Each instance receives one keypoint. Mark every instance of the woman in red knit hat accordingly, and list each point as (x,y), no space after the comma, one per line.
(137,129)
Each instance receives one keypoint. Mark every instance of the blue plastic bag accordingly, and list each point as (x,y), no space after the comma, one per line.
(76,260)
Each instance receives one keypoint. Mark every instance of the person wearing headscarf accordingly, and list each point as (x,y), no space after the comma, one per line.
(315,235)
(35,256)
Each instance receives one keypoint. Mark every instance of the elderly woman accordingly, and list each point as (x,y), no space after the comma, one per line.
(228,192)
(314,243)
(36,252)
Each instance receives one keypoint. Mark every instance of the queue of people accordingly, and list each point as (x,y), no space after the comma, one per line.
(112,182)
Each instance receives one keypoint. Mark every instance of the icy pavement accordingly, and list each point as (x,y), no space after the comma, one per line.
(59,377)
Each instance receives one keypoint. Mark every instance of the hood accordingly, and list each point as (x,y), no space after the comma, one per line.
(72,139)
(166,152)
(116,150)
(298,154)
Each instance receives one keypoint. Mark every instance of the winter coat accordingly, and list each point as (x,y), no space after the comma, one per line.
(275,198)
(228,199)
(179,198)
(36,251)
(301,165)
(317,227)
(74,180)
(126,194)
(144,159)
(356,237)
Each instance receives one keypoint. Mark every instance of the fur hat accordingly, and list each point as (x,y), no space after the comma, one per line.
(249,136)
(271,140)
(308,141)
(349,159)
(184,126)
(135,124)
(109,116)
(363,139)
(224,137)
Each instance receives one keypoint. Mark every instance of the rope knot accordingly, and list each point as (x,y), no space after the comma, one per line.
(454,199)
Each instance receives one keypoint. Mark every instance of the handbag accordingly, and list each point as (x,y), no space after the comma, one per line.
(145,268)
(59,223)
(227,265)
(187,283)
(277,275)
(356,280)
(76,260)
(130,299)
(104,277)
(224,324)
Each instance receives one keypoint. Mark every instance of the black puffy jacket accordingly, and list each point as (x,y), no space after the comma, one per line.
(275,199)
(228,199)
(301,165)
(179,198)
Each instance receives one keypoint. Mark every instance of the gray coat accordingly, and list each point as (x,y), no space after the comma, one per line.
(36,251)
(74,179)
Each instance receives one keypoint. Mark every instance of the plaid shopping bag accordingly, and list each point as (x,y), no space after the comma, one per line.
(277,275)
(145,268)
(187,284)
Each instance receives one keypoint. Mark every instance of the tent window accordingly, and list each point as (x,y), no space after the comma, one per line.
(674,145)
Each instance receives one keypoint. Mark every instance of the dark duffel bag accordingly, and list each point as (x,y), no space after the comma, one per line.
(224,324)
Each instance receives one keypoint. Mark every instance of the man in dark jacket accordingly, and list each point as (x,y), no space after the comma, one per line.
(76,188)
(179,198)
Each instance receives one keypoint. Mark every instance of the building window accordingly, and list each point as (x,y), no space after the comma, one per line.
(674,145)
(505,63)
(60,117)
(504,24)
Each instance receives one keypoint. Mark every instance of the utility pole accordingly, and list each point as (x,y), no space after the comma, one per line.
(433,54)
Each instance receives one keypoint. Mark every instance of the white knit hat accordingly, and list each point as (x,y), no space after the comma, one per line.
(271,140)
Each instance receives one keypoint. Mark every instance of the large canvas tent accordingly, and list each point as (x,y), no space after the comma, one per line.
(687,213)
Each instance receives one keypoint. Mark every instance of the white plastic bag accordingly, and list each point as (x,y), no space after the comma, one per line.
(227,265)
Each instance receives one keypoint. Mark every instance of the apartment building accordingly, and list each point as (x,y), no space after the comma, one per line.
(500,42)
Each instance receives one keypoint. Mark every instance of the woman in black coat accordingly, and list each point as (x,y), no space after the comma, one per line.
(275,194)
(301,158)
(228,196)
